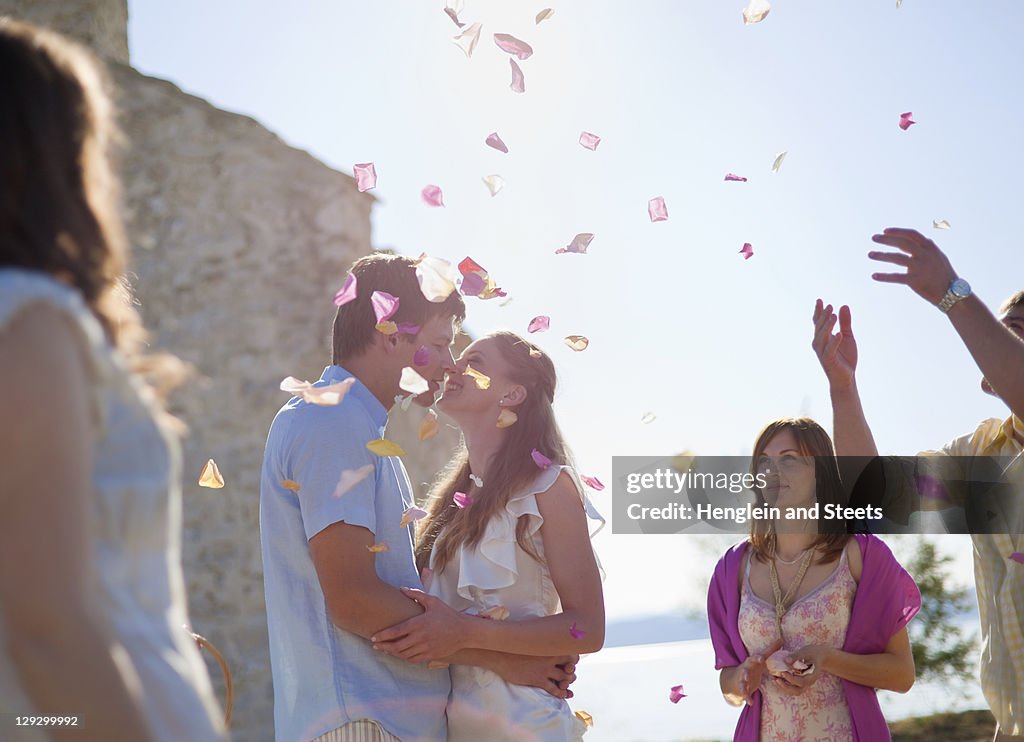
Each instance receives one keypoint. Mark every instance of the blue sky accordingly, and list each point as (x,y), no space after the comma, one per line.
(681,93)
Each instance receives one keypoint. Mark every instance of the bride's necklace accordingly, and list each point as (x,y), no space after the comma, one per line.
(782,601)
(789,562)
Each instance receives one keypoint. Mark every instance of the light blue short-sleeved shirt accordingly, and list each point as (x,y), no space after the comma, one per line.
(323,675)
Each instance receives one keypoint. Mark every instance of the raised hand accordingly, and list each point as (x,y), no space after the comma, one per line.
(837,353)
(929,271)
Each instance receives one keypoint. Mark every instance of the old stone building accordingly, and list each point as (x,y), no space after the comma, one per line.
(239,243)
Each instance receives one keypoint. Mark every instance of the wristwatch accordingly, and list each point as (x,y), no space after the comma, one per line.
(958,289)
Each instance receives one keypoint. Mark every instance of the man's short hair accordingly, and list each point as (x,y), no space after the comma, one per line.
(355,323)
(1012,303)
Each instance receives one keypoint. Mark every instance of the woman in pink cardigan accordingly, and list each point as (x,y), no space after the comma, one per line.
(807,623)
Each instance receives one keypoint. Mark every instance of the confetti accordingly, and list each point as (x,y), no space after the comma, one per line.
(366,176)
(411,515)
(421,357)
(211,476)
(462,500)
(589,141)
(482,381)
(350,478)
(657,210)
(539,324)
(494,183)
(755,11)
(476,281)
(288,484)
(579,244)
(476,480)
(384,305)
(507,418)
(1018,557)
(514,46)
(387,327)
(675,693)
(544,15)
(905,121)
(377,548)
(941,224)
(384,447)
(777,162)
(587,719)
(576,633)
(747,251)
(452,8)
(493,140)
(347,292)
(432,195)
(495,613)
(735,178)
(592,482)
(577,342)
(436,278)
(648,418)
(325,396)
(468,39)
(540,459)
(518,81)
(429,426)
(412,382)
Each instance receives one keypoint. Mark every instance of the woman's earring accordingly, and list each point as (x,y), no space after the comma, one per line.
(507,418)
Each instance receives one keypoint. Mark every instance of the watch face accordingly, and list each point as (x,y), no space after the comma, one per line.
(961,288)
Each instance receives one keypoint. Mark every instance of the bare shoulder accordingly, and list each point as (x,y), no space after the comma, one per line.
(854,558)
(562,496)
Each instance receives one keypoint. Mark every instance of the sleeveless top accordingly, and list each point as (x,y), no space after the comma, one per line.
(821,616)
(497,572)
(137,502)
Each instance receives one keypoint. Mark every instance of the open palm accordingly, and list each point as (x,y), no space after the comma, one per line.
(837,352)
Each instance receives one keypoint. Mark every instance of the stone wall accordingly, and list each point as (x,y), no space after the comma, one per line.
(102,25)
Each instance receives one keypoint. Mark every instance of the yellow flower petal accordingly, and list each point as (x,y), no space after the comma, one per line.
(377,548)
(534,353)
(387,327)
(211,476)
(495,613)
(288,484)
(507,418)
(586,718)
(482,381)
(577,342)
(429,426)
(384,447)
(412,515)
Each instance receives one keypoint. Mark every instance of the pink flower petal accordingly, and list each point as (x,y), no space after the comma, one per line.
(518,81)
(737,178)
(468,39)
(579,244)
(905,122)
(675,693)
(408,328)
(366,176)
(540,459)
(476,281)
(592,482)
(756,11)
(452,8)
(473,285)
(930,488)
(512,45)
(493,140)
(411,515)
(350,478)
(384,305)
(588,140)
(539,324)
(657,210)
(747,251)
(432,195)
(1018,557)
(462,500)
(421,357)
(576,633)
(348,291)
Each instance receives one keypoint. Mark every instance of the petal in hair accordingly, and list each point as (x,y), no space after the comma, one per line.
(476,281)
(493,140)
(412,382)
(387,327)
(747,251)
(462,500)
(589,141)
(347,292)
(579,244)
(540,459)
(592,482)
(507,418)
(432,195)
(436,278)
(736,178)
(544,15)
(577,342)
(384,447)
(941,224)
(905,120)
(494,183)
(512,45)
(350,478)
(407,328)
(384,305)
(539,324)
(468,39)
(211,476)
(289,484)
(535,353)
(366,176)
(411,515)
(777,162)
(675,693)
(482,381)
(657,210)
(518,84)
(756,11)
(429,426)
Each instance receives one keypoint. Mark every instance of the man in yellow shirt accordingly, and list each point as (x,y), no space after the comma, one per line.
(997,346)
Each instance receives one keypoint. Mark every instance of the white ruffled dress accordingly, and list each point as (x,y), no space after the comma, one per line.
(497,572)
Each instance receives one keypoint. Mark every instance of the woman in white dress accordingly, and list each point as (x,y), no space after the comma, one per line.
(506,539)
(92,598)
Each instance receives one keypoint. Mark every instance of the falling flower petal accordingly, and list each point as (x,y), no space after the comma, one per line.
(468,39)
(736,178)
(288,484)
(421,357)
(592,482)
(432,195)
(211,476)
(495,613)
(412,515)
(366,176)
(534,353)
(436,278)
(518,81)
(348,291)
(755,11)
(408,328)
(587,719)
(941,224)
(675,693)
(905,122)
(350,478)
(412,382)
(387,327)
(404,402)
(540,459)
(452,8)
(657,210)
(384,305)
(648,418)
(589,141)
(476,281)
(506,302)
(747,251)
(930,488)
(512,45)
(898,4)
(325,396)
(577,342)
(482,381)
(579,244)
(429,426)
(472,285)
(377,548)
(494,183)
(1018,557)
(462,500)
(476,480)
(507,418)
(539,324)
(576,633)
(544,15)
(493,140)
(777,162)
(384,447)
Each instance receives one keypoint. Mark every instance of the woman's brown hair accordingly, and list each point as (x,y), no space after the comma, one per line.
(512,468)
(812,440)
